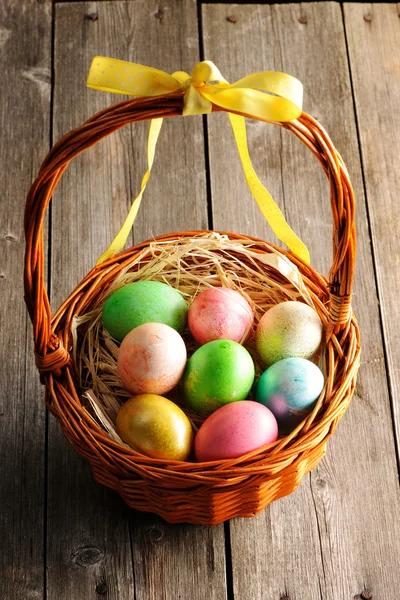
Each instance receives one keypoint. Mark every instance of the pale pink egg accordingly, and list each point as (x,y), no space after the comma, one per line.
(234,430)
(220,314)
(151,359)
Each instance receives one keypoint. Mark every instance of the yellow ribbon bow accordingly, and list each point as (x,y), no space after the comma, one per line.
(267,96)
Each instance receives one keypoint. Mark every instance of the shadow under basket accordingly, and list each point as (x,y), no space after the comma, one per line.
(203,493)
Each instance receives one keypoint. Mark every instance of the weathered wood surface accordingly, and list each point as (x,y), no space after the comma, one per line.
(374,52)
(25,126)
(339,534)
(324,541)
(94,527)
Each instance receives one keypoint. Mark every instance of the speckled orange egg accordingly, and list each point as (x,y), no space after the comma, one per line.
(156,427)
(151,359)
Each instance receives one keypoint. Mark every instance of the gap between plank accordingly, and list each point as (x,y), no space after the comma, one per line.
(230,595)
(319,536)
(227,536)
(384,342)
(49,246)
(205,127)
(133,560)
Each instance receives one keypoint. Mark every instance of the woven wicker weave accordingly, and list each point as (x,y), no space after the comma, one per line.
(191,492)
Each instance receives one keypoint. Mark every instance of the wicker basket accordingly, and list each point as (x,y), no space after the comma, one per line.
(191,492)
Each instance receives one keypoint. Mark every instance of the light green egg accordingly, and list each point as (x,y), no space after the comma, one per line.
(218,373)
(143,302)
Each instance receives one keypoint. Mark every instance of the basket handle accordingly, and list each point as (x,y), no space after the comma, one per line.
(51,352)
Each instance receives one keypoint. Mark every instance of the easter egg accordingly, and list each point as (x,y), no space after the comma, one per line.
(290,388)
(143,302)
(219,372)
(220,314)
(289,329)
(156,427)
(235,429)
(151,359)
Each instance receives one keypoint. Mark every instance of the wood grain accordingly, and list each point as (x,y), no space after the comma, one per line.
(178,561)
(335,536)
(95,532)
(25,127)
(375,67)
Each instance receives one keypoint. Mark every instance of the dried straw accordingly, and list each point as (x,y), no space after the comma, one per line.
(189,265)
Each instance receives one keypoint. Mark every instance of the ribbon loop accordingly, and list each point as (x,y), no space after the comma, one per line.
(205,72)
(184,79)
(266,96)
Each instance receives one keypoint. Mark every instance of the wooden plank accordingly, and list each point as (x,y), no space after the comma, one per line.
(25,127)
(373,34)
(338,534)
(88,536)
(91,204)
(178,561)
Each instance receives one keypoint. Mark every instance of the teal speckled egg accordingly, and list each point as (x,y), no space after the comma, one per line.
(290,388)
(143,302)
(219,372)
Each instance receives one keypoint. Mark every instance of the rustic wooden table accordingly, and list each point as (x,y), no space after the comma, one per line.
(62,535)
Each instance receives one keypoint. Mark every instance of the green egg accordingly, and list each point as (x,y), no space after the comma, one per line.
(143,302)
(218,373)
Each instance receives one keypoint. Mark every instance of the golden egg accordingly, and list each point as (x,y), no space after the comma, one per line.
(156,427)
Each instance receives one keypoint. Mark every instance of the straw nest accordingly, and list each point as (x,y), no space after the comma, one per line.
(190,265)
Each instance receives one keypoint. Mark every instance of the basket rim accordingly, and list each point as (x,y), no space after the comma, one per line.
(201,472)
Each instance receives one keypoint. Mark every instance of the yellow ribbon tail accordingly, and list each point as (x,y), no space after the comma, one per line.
(267,205)
(282,102)
(120,239)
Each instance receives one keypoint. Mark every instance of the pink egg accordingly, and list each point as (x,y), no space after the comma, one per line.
(234,430)
(220,314)
(151,359)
